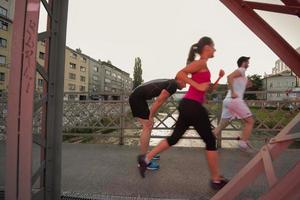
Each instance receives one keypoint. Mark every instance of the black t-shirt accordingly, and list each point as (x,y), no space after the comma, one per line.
(153,88)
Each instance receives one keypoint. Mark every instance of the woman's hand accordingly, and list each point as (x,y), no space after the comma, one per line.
(221,73)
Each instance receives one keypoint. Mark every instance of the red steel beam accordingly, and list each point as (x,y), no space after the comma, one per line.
(255,167)
(20,103)
(287,187)
(292,10)
(14,88)
(27,93)
(291,2)
(266,33)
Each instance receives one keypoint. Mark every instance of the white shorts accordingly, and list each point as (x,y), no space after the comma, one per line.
(235,108)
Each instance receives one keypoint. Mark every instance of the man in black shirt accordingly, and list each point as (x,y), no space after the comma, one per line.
(160,88)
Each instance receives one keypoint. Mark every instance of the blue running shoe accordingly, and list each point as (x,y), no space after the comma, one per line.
(153,165)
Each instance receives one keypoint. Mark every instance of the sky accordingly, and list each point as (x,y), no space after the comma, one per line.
(161,32)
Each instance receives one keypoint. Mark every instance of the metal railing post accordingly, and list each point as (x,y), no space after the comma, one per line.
(122,117)
(219,136)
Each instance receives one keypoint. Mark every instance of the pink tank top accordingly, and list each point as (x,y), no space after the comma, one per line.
(193,93)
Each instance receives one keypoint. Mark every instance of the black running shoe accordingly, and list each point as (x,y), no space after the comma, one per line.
(218,185)
(142,165)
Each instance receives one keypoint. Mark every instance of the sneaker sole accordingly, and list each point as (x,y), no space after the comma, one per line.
(152,169)
(247,151)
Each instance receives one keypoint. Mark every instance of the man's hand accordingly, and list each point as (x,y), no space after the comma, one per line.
(221,73)
(249,84)
(233,95)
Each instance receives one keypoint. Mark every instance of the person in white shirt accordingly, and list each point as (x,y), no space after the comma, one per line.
(235,107)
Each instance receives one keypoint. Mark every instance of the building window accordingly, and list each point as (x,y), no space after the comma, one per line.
(83,69)
(82,88)
(107,80)
(107,72)
(3,42)
(106,88)
(95,78)
(40,82)
(82,78)
(3,25)
(114,75)
(114,90)
(96,69)
(292,84)
(72,97)
(73,55)
(94,88)
(3,11)
(72,87)
(2,76)
(42,55)
(72,76)
(84,59)
(72,65)
(119,77)
(2,60)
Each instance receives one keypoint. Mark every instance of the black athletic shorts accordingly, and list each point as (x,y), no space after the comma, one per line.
(139,106)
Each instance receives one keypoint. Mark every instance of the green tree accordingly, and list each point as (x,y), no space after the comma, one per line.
(257,85)
(137,73)
(78,50)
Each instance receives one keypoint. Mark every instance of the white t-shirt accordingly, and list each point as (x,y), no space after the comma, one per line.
(239,84)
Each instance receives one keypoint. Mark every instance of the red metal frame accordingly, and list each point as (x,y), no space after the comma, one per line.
(292,10)
(291,2)
(20,100)
(289,183)
(14,102)
(286,187)
(258,164)
(265,32)
(27,94)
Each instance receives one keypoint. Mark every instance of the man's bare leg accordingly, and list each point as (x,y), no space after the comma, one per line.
(145,135)
(223,124)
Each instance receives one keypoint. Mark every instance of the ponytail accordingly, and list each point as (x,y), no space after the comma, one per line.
(197,48)
(192,53)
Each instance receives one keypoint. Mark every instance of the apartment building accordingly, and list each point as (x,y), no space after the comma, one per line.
(115,81)
(280,67)
(6,19)
(76,78)
(96,86)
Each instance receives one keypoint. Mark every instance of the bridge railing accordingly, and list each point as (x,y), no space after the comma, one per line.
(111,121)
(86,120)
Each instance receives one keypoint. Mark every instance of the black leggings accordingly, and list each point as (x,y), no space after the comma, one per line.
(192,113)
